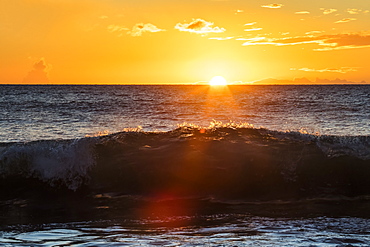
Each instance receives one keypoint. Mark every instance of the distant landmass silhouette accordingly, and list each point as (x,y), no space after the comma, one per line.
(304,80)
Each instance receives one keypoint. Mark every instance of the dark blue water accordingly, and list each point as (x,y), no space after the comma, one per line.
(53,112)
(184,165)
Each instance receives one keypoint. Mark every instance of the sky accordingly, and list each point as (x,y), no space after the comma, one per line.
(182,41)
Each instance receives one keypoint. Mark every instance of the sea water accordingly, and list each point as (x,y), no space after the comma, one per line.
(31,113)
(184,165)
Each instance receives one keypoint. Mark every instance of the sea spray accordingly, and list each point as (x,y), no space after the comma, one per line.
(59,161)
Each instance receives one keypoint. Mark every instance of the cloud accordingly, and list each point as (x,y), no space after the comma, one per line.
(221,38)
(346,20)
(253,41)
(39,73)
(314,32)
(302,13)
(329,42)
(253,29)
(272,6)
(353,11)
(328,11)
(116,28)
(280,41)
(199,26)
(141,28)
(345,41)
(357,11)
(103,17)
(341,70)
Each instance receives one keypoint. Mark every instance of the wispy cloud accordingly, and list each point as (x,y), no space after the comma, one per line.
(302,12)
(272,6)
(116,28)
(141,28)
(345,41)
(137,30)
(250,24)
(253,29)
(346,20)
(329,42)
(353,11)
(221,38)
(357,11)
(249,29)
(328,11)
(342,70)
(199,26)
(280,41)
(314,32)
(255,39)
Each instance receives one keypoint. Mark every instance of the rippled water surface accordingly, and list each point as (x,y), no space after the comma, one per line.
(51,112)
(216,230)
(302,180)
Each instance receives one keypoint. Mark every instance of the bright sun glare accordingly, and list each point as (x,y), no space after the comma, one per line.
(218,81)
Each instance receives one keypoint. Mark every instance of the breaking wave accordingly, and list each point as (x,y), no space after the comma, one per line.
(226,161)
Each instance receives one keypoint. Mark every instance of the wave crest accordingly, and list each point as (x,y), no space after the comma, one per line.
(221,160)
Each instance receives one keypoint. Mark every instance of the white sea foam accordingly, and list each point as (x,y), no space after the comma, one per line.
(50,161)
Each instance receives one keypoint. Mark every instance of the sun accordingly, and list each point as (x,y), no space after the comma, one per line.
(218,81)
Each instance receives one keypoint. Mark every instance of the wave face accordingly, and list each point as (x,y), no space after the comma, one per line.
(219,162)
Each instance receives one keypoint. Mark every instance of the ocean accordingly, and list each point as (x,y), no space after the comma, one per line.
(184,165)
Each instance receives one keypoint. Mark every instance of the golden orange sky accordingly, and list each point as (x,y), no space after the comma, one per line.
(182,41)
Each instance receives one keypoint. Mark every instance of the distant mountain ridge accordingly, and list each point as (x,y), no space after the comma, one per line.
(304,80)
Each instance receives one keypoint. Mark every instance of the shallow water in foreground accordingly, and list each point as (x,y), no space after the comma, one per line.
(108,220)
(215,230)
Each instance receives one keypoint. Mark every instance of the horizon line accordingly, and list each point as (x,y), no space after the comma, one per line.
(182,84)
